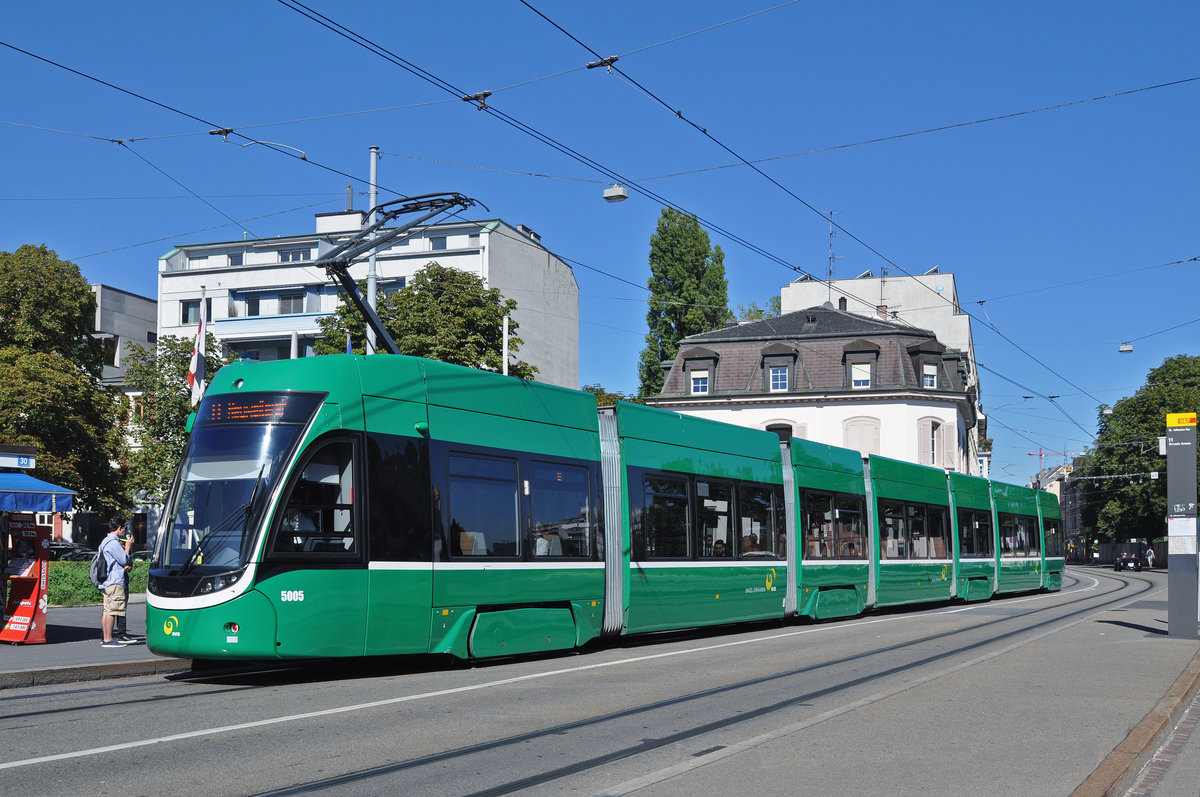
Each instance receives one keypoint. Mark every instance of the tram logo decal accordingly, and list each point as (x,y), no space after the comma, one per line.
(169,626)
(768,586)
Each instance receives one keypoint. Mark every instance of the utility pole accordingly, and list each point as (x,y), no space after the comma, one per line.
(372,278)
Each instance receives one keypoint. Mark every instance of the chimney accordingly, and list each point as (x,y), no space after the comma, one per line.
(881,311)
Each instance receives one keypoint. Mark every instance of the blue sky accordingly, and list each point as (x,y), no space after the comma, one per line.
(1021,204)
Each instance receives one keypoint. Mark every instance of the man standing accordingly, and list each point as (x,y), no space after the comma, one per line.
(116,586)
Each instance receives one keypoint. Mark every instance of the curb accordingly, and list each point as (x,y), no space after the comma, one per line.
(1120,769)
(91,672)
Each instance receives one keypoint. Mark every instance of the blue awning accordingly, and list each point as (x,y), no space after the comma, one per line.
(20,492)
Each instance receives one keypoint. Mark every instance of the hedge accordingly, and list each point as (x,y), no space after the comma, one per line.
(68,584)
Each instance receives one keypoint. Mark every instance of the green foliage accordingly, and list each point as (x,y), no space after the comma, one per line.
(441,314)
(606,398)
(50,366)
(1128,507)
(47,306)
(688,293)
(162,409)
(752,312)
(67,583)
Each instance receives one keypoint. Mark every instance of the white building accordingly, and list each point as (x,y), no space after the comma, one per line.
(834,377)
(264,296)
(925,301)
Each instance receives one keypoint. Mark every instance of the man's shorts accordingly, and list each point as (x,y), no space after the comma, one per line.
(114,600)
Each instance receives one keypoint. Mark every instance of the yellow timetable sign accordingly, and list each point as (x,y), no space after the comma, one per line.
(1175,419)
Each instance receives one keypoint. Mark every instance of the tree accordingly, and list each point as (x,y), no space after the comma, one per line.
(442,314)
(688,292)
(752,312)
(1129,504)
(606,398)
(161,410)
(51,396)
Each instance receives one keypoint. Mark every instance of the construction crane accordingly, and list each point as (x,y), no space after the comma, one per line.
(1041,455)
(336,261)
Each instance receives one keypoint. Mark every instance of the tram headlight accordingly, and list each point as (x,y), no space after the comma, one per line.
(215,583)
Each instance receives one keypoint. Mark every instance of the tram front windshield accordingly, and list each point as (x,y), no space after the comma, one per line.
(228,471)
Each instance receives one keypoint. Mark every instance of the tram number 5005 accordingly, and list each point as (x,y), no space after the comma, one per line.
(290,595)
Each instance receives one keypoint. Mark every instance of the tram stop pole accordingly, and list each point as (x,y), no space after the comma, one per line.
(1183,597)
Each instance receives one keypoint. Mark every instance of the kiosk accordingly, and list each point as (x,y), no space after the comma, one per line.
(26,564)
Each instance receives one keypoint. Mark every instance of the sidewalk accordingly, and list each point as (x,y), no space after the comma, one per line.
(72,651)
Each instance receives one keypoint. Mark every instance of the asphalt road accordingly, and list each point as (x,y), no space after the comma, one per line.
(1023,696)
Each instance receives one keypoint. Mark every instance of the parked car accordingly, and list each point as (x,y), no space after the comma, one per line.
(1128,561)
(68,551)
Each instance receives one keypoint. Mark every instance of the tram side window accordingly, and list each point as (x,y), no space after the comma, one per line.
(714,502)
(851,539)
(893,543)
(1008,534)
(560,509)
(319,515)
(937,530)
(665,517)
(756,511)
(1054,546)
(919,540)
(1033,537)
(819,540)
(974,534)
(484,506)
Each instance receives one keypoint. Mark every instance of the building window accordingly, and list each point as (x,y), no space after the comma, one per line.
(293,255)
(290,303)
(437,243)
(931,443)
(929,376)
(199,261)
(152,337)
(861,434)
(860,376)
(189,311)
(699,382)
(111,347)
(779,378)
(235,258)
(842,303)
(252,307)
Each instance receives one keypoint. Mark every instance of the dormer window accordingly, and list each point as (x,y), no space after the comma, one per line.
(699,382)
(860,376)
(929,376)
(779,378)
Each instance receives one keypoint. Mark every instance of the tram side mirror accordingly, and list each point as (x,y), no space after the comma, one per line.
(190,422)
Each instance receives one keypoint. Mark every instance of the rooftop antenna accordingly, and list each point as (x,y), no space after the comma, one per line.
(349,196)
(832,256)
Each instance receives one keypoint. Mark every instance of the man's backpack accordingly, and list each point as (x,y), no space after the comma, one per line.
(98,572)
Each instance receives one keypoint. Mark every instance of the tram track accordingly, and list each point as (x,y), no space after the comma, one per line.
(1091,604)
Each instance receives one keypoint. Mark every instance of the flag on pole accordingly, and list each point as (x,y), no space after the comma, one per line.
(195,377)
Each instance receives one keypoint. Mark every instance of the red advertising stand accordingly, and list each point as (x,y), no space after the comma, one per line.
(27,571)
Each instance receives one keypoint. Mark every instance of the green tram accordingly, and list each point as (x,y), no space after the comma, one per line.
(361,506)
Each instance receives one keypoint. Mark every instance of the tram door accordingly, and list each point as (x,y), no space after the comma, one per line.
(317,576)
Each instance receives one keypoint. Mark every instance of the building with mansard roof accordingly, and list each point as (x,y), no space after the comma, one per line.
(835,377)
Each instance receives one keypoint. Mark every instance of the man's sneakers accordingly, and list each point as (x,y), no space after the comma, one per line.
(126,639)
(115,643)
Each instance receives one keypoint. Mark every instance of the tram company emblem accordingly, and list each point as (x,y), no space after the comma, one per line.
(169,626)
(771,580)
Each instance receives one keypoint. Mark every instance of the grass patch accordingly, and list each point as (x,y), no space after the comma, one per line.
(68,585)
